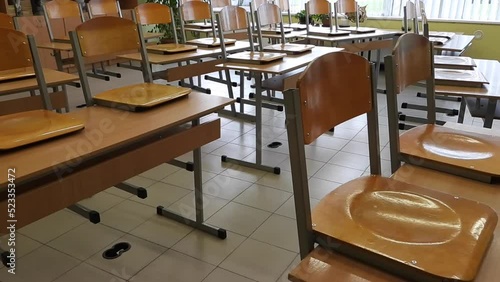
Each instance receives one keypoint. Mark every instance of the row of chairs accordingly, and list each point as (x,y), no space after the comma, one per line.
(399,228)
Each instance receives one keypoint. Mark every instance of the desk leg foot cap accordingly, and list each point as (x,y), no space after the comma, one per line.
(222,234)
(277,170)
(94,217)
(159,210)
(142,193)
(190,166)
(223,158)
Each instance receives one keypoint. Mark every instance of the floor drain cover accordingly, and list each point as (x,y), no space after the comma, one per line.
(274,145)
(116,251)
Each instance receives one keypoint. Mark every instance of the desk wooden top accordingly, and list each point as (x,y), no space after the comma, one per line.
(52,77)
(199,53)
(292,34)
(289,63)
(458,43)
(491,70)
(105,129)
(58,46)
(353,36)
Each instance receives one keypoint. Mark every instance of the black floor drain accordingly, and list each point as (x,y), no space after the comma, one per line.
(116,251)
(274,145)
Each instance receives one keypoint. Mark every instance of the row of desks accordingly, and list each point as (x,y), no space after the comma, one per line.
(114,146)
(40,174)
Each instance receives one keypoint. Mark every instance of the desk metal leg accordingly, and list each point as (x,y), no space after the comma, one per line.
(490,113)
(198,195)
(461,112)
(258,139)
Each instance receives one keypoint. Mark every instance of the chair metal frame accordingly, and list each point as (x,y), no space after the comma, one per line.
(168,18)
(211,19)
(338,8)
(259,22)
(221,31)
(296,143)
(392,103)
(48,18)
(37,67)
(308,13)
(80,63)
(394,88)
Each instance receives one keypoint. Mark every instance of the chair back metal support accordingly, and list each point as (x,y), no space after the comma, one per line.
(346,6)
(411,11)
(155,13)
(254,5)
(196,11)
(19,51)
(103,36)
(269,14)
(318,7)
(411,61)
(233,18)
(104,8)
(285,7)
(6,21)
(318,104)
(61,9)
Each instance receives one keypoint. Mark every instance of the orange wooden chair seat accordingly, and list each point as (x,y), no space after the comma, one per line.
(410,226)
(25,128)
(462,150)
(139,96)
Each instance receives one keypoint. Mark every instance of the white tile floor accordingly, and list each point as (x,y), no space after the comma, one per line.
(255,207)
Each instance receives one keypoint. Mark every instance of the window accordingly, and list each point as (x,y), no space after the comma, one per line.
(473,10)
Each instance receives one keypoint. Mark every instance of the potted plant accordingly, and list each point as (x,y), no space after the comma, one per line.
(301,16)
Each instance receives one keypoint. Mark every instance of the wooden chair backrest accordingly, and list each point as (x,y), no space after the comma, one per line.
(233,18)
(283,4)
(220,3)
(196,10)
(153,13)
(256,3)
(329,98)
(62,9)
(6,21)
(269,13)
(412,60)
(16,51)
(107,35)
(347,6)
(318,7)
(103,7)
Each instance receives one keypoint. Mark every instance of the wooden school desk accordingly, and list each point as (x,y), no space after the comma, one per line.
(489,92)
(200,53)
(286,65)
(114,146)
(456,46)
